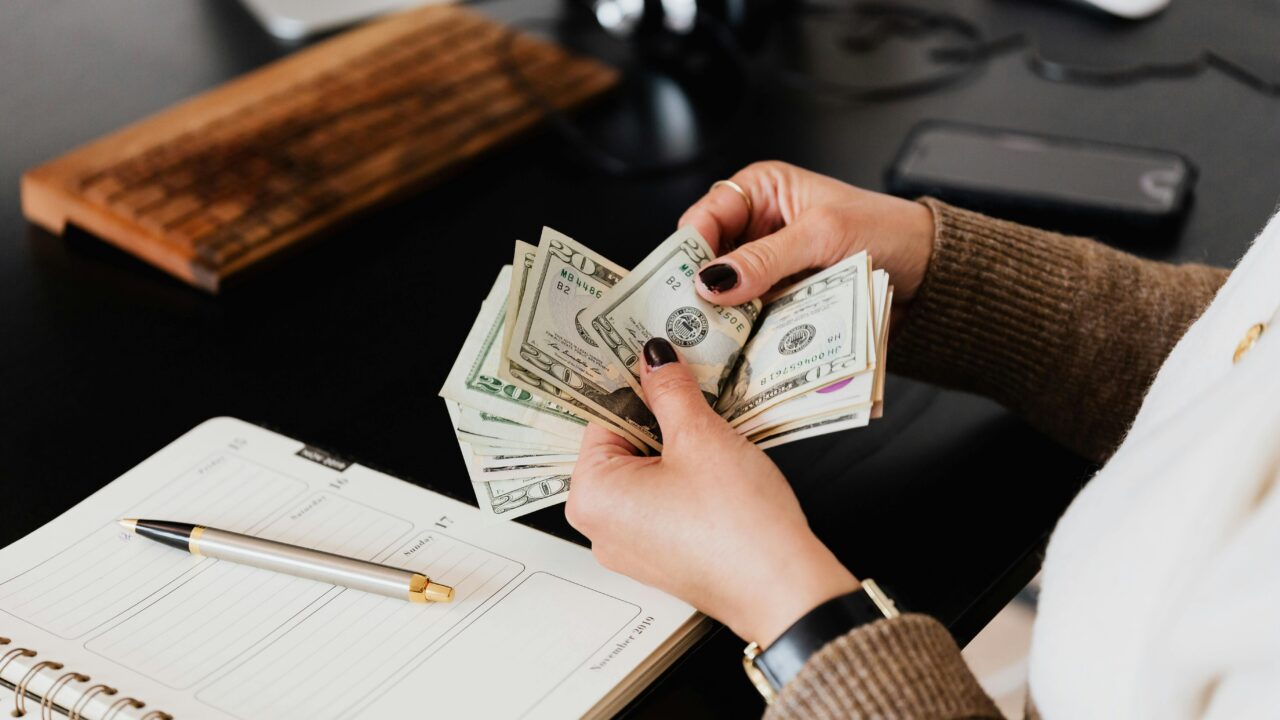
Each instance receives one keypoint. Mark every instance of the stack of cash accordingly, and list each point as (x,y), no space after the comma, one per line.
(558,340)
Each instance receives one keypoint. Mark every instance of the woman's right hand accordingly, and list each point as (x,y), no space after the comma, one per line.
(801,221)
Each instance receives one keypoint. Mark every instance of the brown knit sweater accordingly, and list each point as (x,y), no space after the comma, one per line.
(1065,331)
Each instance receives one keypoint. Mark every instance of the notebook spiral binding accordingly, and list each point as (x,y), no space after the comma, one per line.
(49,704)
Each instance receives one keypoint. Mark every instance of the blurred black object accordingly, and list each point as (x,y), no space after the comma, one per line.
(682,98)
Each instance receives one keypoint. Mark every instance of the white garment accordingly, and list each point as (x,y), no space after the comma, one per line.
(1161,587)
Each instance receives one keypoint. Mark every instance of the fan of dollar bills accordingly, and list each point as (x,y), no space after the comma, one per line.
(557,345)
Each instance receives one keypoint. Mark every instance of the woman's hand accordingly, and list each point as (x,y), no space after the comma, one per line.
(711,521)
(801,221)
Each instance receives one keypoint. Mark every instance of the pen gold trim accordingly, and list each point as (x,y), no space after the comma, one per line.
(293,560)
(193,543)
(421,590)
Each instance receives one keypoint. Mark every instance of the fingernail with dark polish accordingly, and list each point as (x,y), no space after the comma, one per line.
(719,277)
(658,352)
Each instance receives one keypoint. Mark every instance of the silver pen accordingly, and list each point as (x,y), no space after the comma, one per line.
(292,560)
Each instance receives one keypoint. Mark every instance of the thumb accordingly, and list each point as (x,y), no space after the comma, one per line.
(671,391)
(749,271)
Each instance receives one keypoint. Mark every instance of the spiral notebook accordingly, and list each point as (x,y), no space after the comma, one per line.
(98,624)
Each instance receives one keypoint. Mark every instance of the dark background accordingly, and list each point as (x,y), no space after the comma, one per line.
(948,500)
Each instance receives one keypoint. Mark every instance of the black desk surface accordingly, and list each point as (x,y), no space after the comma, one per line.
(948,499)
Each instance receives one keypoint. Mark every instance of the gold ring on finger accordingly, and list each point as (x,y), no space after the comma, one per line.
(742,193)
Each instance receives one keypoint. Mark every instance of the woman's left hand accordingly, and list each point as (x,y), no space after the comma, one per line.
(712,521)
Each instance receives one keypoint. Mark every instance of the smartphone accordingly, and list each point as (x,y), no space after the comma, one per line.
(1070,185)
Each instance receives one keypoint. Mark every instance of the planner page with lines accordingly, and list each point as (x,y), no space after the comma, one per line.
(536,627)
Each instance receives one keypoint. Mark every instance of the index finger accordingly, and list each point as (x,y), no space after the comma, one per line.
(723,217)
(720,216)
(599,443)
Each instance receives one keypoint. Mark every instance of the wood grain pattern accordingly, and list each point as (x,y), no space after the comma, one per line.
(211,186)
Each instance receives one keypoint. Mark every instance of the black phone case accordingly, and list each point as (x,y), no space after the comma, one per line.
(1112,223)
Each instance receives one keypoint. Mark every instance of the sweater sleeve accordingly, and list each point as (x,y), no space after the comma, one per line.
(907,667)
(1065,331)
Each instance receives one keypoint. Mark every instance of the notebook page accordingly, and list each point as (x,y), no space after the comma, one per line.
(537,628)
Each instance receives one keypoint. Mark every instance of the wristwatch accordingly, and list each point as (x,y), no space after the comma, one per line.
(771,669)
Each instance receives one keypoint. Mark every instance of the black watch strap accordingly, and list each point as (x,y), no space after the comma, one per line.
(833,618)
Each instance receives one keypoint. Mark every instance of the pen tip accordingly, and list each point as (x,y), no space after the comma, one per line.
(436,592)
(130,524)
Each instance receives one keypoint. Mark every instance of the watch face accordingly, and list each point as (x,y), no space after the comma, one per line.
(763,684)
(783,659)
(885,604)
